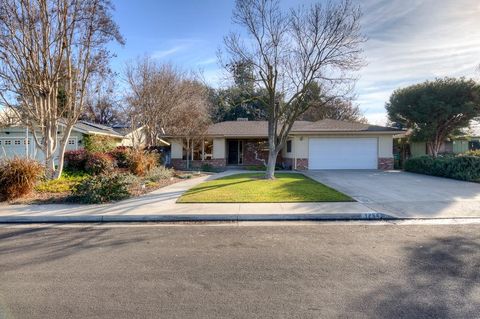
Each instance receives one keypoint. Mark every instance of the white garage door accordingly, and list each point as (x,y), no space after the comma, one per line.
(342,153)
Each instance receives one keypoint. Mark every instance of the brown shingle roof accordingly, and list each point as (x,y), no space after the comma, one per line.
(259,128)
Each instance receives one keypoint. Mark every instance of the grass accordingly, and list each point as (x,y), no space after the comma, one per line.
(252,188)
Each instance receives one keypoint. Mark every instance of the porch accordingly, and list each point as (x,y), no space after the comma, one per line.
(220,153)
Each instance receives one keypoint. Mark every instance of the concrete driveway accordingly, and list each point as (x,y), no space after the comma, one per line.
(406,195)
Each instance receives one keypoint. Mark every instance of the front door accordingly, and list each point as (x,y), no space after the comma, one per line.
(233,152)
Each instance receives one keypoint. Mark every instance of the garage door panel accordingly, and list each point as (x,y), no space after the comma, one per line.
(343,153)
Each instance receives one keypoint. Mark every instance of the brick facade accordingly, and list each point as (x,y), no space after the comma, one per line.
(385,163)
(302,164)
(180,164)
(255,153)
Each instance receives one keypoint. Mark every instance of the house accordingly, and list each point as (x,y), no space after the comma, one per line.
(325,144)
(135,136)
(16,140)
(452,145)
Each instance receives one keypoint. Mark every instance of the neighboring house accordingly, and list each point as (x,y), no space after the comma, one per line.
(469,139)
(16,140)
(326,144)
(451,146)
(135,137)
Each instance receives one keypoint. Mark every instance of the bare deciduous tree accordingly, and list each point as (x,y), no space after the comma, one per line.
(48,51)
(291,50)
(164,99)
(101,104)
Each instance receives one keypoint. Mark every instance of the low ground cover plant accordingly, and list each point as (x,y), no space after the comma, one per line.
(66,183)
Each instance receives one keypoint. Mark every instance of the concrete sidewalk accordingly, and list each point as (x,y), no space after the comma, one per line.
(160,206)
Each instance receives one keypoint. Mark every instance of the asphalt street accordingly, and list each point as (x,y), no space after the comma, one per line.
(201,271)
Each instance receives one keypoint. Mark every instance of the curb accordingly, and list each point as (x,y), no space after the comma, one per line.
(193,218)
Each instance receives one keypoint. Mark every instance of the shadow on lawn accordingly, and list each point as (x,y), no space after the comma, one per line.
(441,280)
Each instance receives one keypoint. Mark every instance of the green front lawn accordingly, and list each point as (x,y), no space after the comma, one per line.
(252,188)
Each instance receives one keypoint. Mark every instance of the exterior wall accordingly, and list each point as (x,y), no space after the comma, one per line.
(418,149)
(385,163)
(385,146)
(302,164)
(181,164)
(219,148)
(460,146)
(299,148)
(135,138)
(176,148)
(19,133)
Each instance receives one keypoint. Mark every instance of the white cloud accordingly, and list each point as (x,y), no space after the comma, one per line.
(207,61)
(414,40)
(165,53)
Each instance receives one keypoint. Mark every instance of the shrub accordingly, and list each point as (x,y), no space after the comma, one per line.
(463,167)
(132,181)
(101,189)
(140,162)
(75,160)
(473,153)
(18,177)
(121,154)
(99,143)
(99,163)
(159,173)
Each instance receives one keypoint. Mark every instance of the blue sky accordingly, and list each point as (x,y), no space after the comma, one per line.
(409,40)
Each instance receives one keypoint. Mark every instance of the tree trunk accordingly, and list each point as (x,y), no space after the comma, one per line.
(61,153)
(433,148)
(272,161)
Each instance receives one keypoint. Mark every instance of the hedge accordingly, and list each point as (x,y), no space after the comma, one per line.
(463,167)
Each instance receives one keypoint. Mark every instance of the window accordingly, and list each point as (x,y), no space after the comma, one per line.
(18,142)
(208,149)
(71,142)
(8,142)
(289,146)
